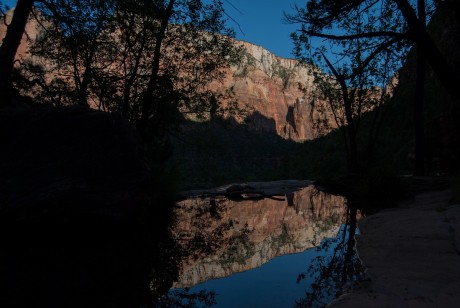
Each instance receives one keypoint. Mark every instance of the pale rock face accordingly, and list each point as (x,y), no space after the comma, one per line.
(269,86)
(30,34)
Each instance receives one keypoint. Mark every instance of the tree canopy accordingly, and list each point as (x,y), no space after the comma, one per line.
(149,60)
(385,24)
(10,45)
(360,41)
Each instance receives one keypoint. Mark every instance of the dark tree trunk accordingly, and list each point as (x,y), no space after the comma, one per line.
(83,90)
(352,159)
(10,46)
(420,156)
(148,104)
(352,212)
(432,54)
(88,76)
(129,82)
(353,155)
(419,167)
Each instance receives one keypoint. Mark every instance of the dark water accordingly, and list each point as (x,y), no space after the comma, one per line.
(273,252)
(282,252)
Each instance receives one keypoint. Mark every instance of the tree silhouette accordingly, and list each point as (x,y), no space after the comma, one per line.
(10,45)
(149,60)
(362,80)
(336,267)
(386,25)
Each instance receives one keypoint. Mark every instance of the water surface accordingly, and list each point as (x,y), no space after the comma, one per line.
(270,252)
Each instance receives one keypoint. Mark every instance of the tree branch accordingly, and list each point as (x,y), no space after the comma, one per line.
(334,37)
(358,70)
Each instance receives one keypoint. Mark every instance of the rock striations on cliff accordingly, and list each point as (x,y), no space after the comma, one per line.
(277,91)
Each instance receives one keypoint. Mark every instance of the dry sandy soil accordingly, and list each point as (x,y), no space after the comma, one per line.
(412,256)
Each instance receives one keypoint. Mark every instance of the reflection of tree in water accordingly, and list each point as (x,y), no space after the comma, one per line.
(68,258)
(283,238)
(324,224)
(217,237)
(336,268)
(208,233)
(71,259)
(165,267)
(185,298)
(240,248)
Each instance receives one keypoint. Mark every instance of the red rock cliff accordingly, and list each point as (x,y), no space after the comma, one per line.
(265,84)
(269,86)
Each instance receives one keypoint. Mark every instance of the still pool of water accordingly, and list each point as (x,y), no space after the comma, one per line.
(274,284)
(261,253)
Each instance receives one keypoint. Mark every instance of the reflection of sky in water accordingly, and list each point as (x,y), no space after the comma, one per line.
(274,284)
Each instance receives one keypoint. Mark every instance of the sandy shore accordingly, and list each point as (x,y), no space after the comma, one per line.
(412,256)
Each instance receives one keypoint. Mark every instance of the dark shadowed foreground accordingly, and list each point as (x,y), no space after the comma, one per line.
(75,201)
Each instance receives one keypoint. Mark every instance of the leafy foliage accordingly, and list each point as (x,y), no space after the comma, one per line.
(367,39)
(335,268)
(246,64)
(148,60)
(361,78)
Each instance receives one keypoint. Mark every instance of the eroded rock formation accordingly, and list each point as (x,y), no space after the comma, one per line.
(269,86)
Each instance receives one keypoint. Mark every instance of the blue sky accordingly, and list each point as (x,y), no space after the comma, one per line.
(10,3)
(260,22)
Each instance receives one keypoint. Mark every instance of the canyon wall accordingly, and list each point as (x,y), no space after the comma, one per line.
(32,28)
(270,86)
(265,85)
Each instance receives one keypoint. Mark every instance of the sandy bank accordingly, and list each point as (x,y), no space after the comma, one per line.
(412,256)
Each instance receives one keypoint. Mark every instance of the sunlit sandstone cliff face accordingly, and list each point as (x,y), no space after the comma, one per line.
(234,236)
(30,34)
(269,86)
(263,83)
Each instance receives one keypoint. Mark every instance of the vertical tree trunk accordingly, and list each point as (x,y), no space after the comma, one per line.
(129,81)
(148,102)
(420,155)
(352,212)
(432,54)
(10,46)
(352,159)
(82,99)
(87,76)
(419,167)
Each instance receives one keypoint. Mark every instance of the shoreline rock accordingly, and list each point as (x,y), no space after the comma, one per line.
(249,190)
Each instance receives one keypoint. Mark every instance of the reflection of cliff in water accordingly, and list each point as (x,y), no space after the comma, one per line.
(222,236)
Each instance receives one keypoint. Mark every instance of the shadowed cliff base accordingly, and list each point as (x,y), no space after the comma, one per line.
(223,151)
